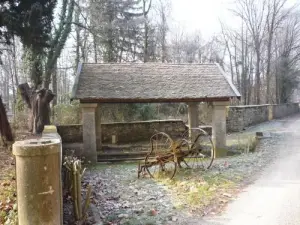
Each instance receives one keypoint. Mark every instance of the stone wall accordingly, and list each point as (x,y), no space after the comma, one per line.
(280,111)
(240,117)
(70,133)
(125,132)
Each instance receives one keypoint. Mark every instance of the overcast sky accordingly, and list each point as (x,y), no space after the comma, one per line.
(204,15)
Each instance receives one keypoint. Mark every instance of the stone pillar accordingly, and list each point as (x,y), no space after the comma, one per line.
(89,131)
(270,112)
(38,169)
(219,128)
(193,116)
(98,128)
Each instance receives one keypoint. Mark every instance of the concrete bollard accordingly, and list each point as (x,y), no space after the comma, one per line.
(38,163)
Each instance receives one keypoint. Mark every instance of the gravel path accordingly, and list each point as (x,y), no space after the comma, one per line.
(274,197)
(120,198)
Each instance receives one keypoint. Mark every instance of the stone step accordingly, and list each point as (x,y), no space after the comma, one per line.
(121,153)
(118,156)
(120,159)
(121,156)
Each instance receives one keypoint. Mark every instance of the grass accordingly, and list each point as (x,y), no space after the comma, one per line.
(194,190)
(244,143)
(199,190)
(202,191)
(139,221)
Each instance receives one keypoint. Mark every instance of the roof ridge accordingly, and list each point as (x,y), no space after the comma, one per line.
(148,63)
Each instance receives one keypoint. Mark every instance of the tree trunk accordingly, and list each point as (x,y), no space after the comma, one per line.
(146,29)
(250,81)
(6,88)
(15,63)
(38,101)
(164,38)
(77,31)
(5,130)
(14,92)
(95,49)
(237,67)
(54,88)
(54,85)
(47,81)
(269,55)
(257,78)
(268,72)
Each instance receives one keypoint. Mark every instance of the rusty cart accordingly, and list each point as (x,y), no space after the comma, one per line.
(194,149)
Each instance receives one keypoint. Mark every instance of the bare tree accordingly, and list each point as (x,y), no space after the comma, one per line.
(287,51)
(163,10)
(253,12)
(275,17)
(227,39)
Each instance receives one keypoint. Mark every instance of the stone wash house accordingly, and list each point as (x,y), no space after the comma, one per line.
(151,83)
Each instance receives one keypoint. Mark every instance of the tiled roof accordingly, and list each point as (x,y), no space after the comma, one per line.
(152,82)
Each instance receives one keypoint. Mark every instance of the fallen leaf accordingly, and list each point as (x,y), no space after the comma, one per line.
(4,184)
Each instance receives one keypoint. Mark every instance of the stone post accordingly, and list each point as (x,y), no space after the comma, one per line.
(219,128)
(38,169)
(193,116)
(89,131)
(98,128)
(270,112)
(50,132)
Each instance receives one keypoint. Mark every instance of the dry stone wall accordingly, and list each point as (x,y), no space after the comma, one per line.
(70,133)
(280,111)
(238,118)
(140,131)
(125,132)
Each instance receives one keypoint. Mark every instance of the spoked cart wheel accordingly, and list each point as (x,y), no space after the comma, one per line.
(201,149)
(181,152)
(160,161)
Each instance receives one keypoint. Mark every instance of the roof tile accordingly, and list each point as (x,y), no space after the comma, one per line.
(139,82)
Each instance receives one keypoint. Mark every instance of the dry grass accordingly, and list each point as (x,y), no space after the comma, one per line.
(7,187)
(200,191)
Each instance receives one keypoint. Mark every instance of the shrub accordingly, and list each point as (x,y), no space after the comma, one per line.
(67,113)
